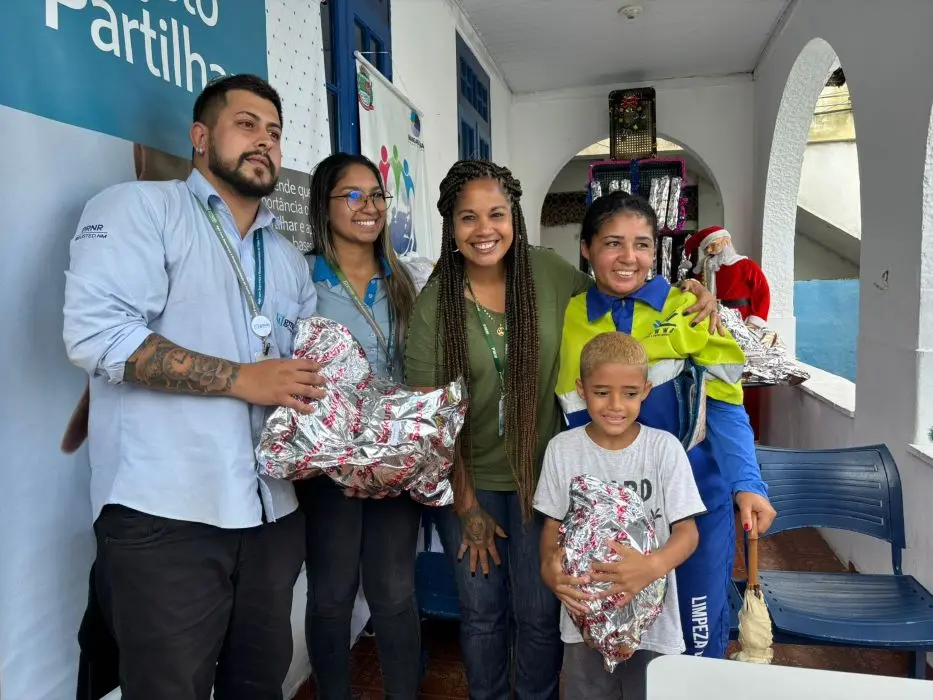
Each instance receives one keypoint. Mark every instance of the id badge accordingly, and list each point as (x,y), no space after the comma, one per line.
(501,415)
(265,353)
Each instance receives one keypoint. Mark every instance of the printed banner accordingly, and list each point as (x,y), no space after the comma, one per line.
(390,136)
(94,93)
(127,69)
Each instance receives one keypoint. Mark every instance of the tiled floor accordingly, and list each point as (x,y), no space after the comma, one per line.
(802,550)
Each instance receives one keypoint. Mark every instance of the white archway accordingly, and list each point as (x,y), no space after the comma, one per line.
(788,145)
(571,177)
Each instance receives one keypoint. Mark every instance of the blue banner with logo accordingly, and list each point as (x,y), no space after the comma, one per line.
(127,68)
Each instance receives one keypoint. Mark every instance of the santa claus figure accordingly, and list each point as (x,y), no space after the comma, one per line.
(738,282)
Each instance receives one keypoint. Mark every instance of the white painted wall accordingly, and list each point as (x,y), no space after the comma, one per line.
(891,249)
(711,118)
(565,240)
(424,67)
(814,261)
(710,211)
(829,185)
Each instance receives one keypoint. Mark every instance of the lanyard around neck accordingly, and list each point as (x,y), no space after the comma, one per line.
(260,325)
(368,315)
(500,369)
(253,299)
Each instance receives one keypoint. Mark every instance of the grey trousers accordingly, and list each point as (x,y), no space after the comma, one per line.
(586,679)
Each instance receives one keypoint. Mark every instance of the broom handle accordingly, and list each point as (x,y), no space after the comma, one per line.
(753,556)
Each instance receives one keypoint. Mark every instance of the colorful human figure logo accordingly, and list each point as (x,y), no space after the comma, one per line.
(384,166)
(401,215)
(409,183)
(396,168)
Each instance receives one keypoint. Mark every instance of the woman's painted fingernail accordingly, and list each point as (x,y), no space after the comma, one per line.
(748,527)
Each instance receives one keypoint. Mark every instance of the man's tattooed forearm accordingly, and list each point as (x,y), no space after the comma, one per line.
(160,364)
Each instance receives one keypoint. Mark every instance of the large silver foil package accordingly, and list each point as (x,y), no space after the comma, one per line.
(368,433)
(601,511)
(657,197)
(673,204)
(766,358)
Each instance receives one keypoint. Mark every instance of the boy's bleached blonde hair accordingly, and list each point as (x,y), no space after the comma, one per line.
(615,347)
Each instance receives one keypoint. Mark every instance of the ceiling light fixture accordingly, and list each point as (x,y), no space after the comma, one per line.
(631,11)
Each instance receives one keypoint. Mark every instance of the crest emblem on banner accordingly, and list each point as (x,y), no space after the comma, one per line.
(364,89)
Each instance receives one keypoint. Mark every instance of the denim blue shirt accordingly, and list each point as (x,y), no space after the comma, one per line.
(335,303)
(145,259)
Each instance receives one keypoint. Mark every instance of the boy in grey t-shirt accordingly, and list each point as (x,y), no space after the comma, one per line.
(613,447)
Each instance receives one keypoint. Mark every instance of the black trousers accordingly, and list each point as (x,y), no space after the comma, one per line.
(193,606)
(380,536)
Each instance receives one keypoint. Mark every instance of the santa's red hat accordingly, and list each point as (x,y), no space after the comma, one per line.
(703,238)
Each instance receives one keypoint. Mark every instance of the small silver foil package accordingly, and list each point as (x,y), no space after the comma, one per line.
(615,185)
(667,247)
(600,511)
(626,185)
(368,433)
(683,269)
(596,190)
(766,359)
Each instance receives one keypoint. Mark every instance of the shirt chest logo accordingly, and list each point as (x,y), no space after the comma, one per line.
(663,327)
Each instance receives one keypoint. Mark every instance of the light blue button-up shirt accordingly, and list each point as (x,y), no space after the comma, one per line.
(335,303)
(145,259)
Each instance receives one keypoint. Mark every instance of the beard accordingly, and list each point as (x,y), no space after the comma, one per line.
(237,179)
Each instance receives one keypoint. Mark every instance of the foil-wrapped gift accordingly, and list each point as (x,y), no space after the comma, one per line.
(766,358)
(596,190)
(601,511)
(419,268)
(657,198)
(368,433)
(673,204)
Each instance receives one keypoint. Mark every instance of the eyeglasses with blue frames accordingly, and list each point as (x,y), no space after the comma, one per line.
(356,200)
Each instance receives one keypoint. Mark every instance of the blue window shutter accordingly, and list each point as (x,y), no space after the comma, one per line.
(371,19)
(473,105)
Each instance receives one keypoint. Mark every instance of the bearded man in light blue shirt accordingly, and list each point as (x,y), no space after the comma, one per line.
(180,303)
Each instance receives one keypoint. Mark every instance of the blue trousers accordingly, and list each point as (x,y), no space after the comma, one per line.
(513,604)
(703,583)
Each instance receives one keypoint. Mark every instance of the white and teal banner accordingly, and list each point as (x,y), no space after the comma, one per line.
(93,93)
(391,136)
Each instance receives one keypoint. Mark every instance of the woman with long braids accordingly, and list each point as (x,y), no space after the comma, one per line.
(492,313)
(360,283)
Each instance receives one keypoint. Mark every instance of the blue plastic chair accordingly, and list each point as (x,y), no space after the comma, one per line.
(435,587)
(858,490)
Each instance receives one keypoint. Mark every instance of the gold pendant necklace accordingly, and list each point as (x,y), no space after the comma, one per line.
(500,330)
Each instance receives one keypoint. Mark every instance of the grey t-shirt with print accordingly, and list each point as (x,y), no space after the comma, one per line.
(656,467)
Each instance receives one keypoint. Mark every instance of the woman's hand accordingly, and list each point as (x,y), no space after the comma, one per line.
(564,586)
(705,306)
(755,511)
(479,537)
(628,576)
